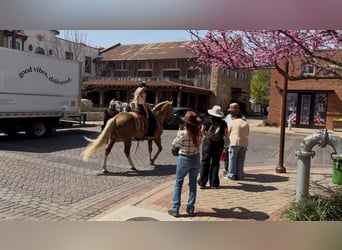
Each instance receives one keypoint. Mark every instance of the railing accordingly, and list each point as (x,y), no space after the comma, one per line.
(138,79)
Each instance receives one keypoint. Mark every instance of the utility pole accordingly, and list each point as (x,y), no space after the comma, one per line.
(280,168)
(14,39)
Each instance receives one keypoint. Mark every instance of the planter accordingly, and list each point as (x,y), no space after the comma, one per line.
(337,125)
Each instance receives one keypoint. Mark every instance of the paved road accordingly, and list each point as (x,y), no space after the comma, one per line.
(46,180)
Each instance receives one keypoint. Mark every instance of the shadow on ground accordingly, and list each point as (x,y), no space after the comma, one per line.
(265,178)
(235,213)
(63,140)
(158,170)
(250,187)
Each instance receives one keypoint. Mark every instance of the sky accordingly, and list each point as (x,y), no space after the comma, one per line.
(108,38)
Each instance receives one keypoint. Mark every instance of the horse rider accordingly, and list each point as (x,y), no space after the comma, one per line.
(141,105)
(109,112)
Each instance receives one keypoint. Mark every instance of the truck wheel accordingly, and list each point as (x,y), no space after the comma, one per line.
(39,129)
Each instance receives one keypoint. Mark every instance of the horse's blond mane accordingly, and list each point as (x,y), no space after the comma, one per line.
(160,105)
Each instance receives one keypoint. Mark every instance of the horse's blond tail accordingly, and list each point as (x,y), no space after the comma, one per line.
(100,140)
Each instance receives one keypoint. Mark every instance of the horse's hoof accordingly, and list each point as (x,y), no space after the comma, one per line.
(105,171)
(133,168)
(151,162)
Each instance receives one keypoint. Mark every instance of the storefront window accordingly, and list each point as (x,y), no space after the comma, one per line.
(291,107)
(305,110)
(320,109)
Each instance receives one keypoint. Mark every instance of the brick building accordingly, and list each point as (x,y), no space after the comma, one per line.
(310,103)
(170,73)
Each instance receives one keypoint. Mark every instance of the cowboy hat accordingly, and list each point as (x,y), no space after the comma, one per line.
(191,118)
(216,111)
(233,106)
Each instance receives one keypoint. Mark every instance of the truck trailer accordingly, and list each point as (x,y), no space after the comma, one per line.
(36,91)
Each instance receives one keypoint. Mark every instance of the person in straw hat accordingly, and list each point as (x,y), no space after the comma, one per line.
(188,140)
(214,129)
(233,106)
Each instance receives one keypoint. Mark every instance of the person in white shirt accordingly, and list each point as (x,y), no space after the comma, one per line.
(228,119)
(238,130)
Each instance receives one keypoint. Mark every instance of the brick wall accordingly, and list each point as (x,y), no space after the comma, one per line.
(333,87)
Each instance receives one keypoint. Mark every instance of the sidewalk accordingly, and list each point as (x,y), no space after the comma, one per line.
(260,197)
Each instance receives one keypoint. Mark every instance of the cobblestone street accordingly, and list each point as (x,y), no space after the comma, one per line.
(46,179)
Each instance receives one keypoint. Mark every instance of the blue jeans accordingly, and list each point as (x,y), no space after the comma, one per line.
(236,160)
(186,164)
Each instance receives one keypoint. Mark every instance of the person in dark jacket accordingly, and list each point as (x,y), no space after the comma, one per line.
(212,148)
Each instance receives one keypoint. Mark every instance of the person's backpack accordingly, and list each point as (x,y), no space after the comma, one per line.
(214,132)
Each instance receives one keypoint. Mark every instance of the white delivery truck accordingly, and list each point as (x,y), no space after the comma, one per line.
(36,91)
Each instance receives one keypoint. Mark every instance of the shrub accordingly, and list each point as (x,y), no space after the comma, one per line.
(315,208)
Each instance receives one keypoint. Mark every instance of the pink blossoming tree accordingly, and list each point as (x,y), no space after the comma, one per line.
(259,49)
(279,49)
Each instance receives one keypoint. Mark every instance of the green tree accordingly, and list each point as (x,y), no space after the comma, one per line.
(260,87)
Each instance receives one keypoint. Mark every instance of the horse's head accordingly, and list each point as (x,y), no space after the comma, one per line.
(164,109)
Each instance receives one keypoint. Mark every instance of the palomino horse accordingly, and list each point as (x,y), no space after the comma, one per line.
(127,125)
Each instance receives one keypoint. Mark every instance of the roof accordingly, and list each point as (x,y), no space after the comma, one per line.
(150,51)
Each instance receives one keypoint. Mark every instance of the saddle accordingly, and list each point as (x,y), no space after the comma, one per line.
(141,123)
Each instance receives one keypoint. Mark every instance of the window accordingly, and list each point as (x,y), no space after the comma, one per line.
(305,110)
(308,69)
(39,50)
(236,75)
(119,73)
(320,112)
(291,110)
(69,55)
(171,73)
(87,64)
(191,73)
(144,73)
